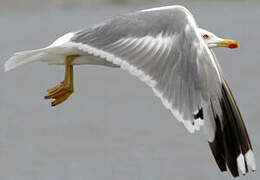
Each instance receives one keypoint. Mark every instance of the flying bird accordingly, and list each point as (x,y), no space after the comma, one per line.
(165,48)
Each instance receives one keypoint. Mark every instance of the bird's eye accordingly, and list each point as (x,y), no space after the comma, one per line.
(205,36)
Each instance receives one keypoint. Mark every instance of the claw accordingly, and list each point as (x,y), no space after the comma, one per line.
(60,99)
(59,91)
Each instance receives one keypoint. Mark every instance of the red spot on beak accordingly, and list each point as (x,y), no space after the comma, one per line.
(232,46)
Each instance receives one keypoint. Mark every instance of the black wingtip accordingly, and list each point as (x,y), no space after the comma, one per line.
(217,147)
(231,137)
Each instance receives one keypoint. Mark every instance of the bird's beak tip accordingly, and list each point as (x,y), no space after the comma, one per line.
(232,44)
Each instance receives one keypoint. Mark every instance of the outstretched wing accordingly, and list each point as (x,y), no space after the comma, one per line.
(163,48)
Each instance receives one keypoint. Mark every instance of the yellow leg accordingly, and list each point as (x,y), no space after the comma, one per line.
(62,91)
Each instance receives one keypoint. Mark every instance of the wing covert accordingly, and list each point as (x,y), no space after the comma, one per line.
(167,53)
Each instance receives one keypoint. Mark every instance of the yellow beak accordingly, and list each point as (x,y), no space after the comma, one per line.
(228,43)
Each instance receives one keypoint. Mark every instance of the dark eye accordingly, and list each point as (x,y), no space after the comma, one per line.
(205,36)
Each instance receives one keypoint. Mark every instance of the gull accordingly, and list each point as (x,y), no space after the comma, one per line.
(165,48)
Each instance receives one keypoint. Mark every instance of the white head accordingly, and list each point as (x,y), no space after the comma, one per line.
(213,41)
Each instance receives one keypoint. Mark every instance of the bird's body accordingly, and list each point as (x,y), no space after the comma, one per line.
(164,48)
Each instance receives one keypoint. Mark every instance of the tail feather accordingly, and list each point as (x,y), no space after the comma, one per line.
(231,146)
(24,57)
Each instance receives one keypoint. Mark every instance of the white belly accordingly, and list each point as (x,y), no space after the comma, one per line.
(57,56)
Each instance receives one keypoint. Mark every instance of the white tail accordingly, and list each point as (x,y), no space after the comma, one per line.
(24,57)
(53,54)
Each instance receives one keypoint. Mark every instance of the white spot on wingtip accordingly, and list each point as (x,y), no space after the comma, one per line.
(250,159)
(241,163)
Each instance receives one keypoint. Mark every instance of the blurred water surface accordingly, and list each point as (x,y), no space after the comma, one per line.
(113,127)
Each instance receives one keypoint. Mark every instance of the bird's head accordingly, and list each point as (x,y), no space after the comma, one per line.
(213,41)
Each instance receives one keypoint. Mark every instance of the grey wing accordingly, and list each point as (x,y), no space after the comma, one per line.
(163,49)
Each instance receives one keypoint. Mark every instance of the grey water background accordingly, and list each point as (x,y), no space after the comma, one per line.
(112,127)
